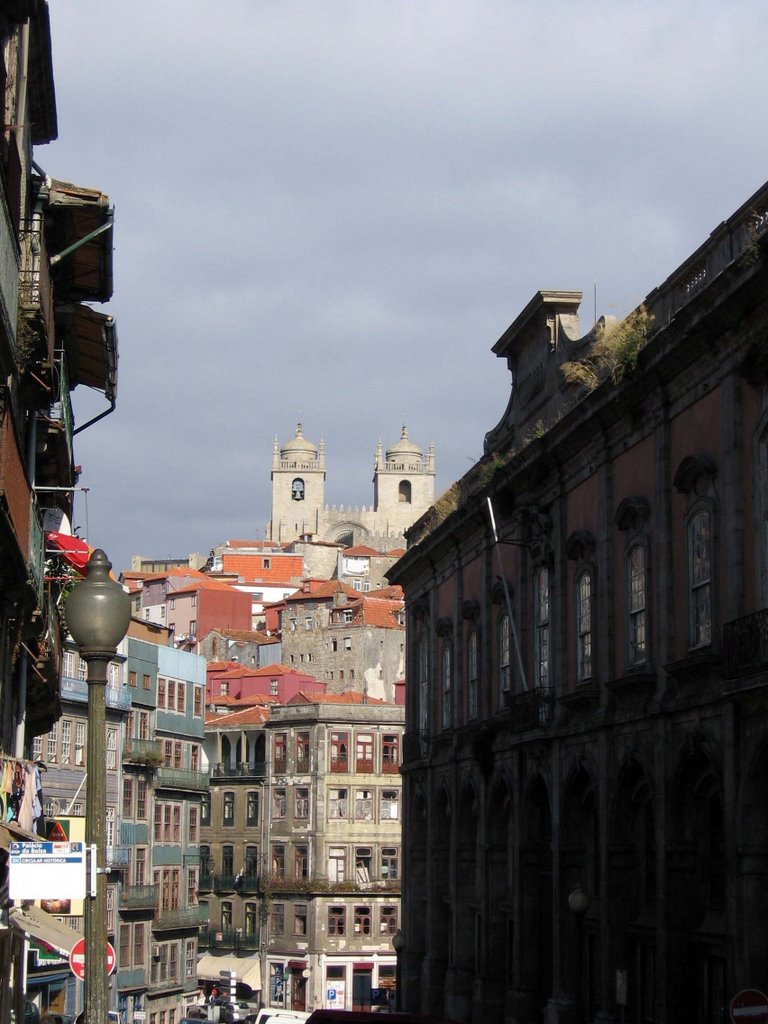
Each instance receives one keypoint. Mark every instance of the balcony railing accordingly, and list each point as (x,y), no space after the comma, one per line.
(9,266)
(142,751)
(138,897)
(178,917)
(118,697)
(224,882)
(181,778)
(745,644)
(532,709)
(117,856)
(231,770)
(227,938)
(339,764)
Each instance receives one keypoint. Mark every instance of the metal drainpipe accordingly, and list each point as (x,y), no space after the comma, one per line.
(21,700)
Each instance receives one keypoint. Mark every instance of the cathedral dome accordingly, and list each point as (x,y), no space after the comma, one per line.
(299,446)
(404,450)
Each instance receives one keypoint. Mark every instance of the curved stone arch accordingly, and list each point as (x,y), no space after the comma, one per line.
(346,530)
(632,828)
(696,743)
(579,830)
(695,868)
(535,884)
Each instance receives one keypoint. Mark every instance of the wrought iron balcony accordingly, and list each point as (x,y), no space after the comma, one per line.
(745,644)
(227,938)
(233,770)
(138,897)
(178,917)
(532,709)
(181,778)
(138,751)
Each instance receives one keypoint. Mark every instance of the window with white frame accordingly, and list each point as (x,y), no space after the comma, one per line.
(337,863)
(190,958)
(541,599)
(66,741)
(390,802)
(338,803)
(112,749)
(363,805)
(584,625)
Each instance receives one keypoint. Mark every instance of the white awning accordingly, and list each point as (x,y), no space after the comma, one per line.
(247,969)
(44,927)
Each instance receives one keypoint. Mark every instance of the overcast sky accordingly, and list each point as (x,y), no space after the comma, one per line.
(330,211)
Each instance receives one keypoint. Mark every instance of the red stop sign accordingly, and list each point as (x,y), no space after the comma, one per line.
(77,959)
(749,1005)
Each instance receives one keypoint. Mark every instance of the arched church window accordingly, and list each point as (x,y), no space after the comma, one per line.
(404,491)
(297,489)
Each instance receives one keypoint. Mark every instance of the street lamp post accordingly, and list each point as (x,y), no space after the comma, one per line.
(97,614)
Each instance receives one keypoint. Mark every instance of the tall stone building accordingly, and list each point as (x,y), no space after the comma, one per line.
(586,820)
(403,490)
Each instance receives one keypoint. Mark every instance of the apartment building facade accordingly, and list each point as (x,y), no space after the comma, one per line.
(55,260)
(301,850)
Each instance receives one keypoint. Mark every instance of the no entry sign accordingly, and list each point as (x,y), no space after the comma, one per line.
(749,1005)
(77,959)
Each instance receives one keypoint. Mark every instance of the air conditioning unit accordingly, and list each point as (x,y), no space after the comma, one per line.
(156,952)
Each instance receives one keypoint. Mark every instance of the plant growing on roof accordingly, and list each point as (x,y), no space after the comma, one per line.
(614,354)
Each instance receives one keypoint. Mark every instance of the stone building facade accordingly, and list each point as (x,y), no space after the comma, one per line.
(586,821)
(347,640)
(403,489)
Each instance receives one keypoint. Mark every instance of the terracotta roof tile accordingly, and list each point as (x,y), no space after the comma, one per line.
(347,697)
(362,551)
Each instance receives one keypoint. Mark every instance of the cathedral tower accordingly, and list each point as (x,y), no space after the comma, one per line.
(298,481)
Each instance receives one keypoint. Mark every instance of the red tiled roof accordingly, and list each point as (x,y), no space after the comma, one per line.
(378,612)
(204,583)
(362,551)
(253,715)
(326,589)
(392,593)
(347,697)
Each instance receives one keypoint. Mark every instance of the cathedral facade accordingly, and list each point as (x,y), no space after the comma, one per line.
(403,490)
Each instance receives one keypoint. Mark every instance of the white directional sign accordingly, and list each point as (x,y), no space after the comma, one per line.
(46,871)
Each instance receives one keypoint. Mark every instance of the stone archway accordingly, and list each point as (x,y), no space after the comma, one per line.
(632,886)
(695,885)
(580,867)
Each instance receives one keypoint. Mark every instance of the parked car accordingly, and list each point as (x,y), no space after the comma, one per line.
(274,1015)
(367,1017)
